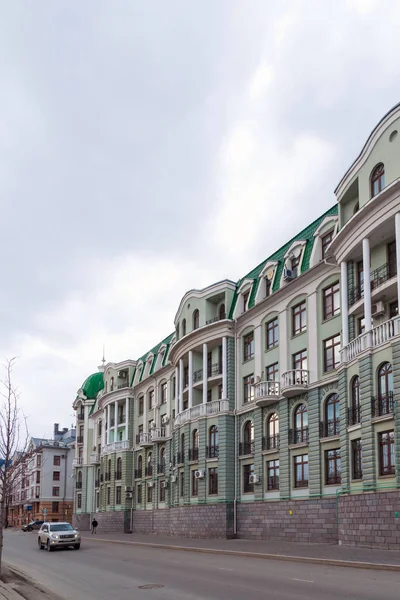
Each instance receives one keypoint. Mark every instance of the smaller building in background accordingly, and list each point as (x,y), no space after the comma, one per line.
(44,488)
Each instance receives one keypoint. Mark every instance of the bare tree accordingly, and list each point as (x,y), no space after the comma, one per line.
(13,444)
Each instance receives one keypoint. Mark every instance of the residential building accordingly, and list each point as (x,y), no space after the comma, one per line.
(44,487)
(271,410)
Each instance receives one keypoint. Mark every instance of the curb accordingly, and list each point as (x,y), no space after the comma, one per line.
(282,557)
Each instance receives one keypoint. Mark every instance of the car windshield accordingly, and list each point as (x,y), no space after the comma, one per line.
(61,527)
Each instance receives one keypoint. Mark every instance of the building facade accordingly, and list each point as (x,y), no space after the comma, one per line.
(271,411)
(43,487)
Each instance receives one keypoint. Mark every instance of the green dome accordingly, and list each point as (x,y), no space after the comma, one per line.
(92,385)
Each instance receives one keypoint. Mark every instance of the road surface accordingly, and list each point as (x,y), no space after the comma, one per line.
(100,571)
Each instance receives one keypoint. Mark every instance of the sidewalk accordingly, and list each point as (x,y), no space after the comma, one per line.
(315,553)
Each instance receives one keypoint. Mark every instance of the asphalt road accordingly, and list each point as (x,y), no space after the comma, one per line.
(100,571)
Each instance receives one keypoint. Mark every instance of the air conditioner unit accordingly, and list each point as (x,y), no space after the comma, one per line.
(378,309)
(129,495)
(199,474)
(150,484)
(255,379)
(128,488)
(165,420)
(289,274)
(254,479)
(122,374)
(174,479)
(164,484)
(152,424)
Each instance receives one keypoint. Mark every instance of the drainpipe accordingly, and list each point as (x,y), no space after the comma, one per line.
(65,479)
(235,425)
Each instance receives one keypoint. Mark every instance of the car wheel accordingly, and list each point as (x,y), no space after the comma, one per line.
(77,546)
(49,547)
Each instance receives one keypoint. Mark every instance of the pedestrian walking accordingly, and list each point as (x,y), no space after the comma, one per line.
(94,526)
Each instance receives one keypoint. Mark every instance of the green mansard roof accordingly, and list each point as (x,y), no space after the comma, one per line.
(92,385)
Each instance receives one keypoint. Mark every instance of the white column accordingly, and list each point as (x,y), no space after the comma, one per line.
(103,429)
(115,420)
(397,226)
(205,379)
(283,343)
(312,327)
(181,373)
(190,378)
(108,422)
(127,419)
(344,303)
(176,391)
(224,368)
(367,284)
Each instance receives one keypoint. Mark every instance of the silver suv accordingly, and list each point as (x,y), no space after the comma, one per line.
(56,535)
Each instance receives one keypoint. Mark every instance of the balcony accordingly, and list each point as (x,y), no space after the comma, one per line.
(298,436)
(371,339)
(145,440)
(214,370)
(79,440)
(294,382)
(266,392)
(77,462)
(159,434)
(202,410)
(354,415)
(246,448)
(271,442)
(216,319)
(198,375)
(121,419)
(382,405)
(193,454)
(115,447)
(378,277)
(94,459)
(212,451)
(329,428)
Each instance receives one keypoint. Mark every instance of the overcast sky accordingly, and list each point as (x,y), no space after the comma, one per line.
(152,146)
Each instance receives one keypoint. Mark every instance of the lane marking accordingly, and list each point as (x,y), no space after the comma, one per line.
(303,580)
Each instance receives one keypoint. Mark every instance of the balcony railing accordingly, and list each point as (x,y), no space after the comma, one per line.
(198,375)
(215,319)
(202,410)
(159,434)
(214,370)
(161,469)
(387,470)
(271,442)
(115,447)
(145,439)
(180,458)
(246,448)
(378,277)
(212,451)
(354,415)
(118,475)
(121,386)
(94,459)
(334,479)
(382,405)
(138,473)
(294,380)
(148,471)
(298,436)
(121,419)
(77,462)
(371,339)
(267,392)
(193,454)
(329,428)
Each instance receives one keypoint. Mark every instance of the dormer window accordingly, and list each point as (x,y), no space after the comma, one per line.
(326,241)
(268,287)
(246,297)
(377,180)
(294,263)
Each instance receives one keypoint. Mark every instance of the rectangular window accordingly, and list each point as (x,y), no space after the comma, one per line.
(213,481)
(99,429)
(272,372)
(248,346)
(268,287)
(118,495)
(37,476)
(162,491)
(299,318)
(245,296)
(139,493)
(195,484)
(174,387)
(294,263)
(185,376)
(271,334)
(356,455)
(39,460)
(56,475)
(331,353)
(182,484)
(164,393)
(301,471)
(248,389)
(360,325)
(56,461)
(56,491)
(331,301)
(79,500)
(108,495)
(97,499)
(326,241)
(393,309)
(300,360)
(386,453)
(392,263)
(272,475)
(37,491)
(149,494)
(54,507)
(209,364)
(248,487)
(141,405)
(209,395)
(151,399)
(332,467)
(360,280)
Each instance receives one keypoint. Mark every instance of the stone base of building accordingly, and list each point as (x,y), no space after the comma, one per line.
(202,521)
(108,522)
(81,521)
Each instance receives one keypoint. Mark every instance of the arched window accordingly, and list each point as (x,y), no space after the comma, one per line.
(384,404)
(213,442)
(272,441)
(355,412)
(377,180)
(79,481)
(109,469)
(183,327)
(111,384)
(221,313)
(149,468)
(248,437)
(139,466)
(194,451)
(181,454)
(196,319)
(161,466)
(300,424)
(98,478)
(332,416)
(177,332)
(118,474)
